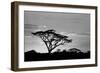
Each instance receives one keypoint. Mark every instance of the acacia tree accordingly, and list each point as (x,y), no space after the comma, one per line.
(52,39)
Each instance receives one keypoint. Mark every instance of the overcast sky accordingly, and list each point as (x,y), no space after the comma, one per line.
(74,25)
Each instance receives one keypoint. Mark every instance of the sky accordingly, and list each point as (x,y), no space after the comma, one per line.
(74,25)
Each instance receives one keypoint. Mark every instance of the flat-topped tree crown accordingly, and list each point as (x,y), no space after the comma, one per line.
(52,39)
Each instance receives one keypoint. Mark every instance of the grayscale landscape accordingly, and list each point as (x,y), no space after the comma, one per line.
(56,36)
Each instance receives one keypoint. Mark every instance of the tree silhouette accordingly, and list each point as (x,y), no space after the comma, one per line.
(52,39)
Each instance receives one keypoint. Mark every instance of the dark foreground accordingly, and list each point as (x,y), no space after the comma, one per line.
(64,55)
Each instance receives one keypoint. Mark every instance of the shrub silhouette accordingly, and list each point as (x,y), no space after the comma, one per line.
(74,50)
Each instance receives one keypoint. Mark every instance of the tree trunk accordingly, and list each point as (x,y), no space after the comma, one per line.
(49,51)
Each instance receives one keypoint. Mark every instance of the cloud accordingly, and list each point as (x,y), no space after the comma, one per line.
(87,34)
(42,26)
(64,33)
(30,26)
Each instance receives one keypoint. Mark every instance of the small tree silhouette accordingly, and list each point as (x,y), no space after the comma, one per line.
(52,39)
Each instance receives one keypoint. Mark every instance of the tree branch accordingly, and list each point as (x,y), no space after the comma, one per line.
(44,42)
(57,45)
